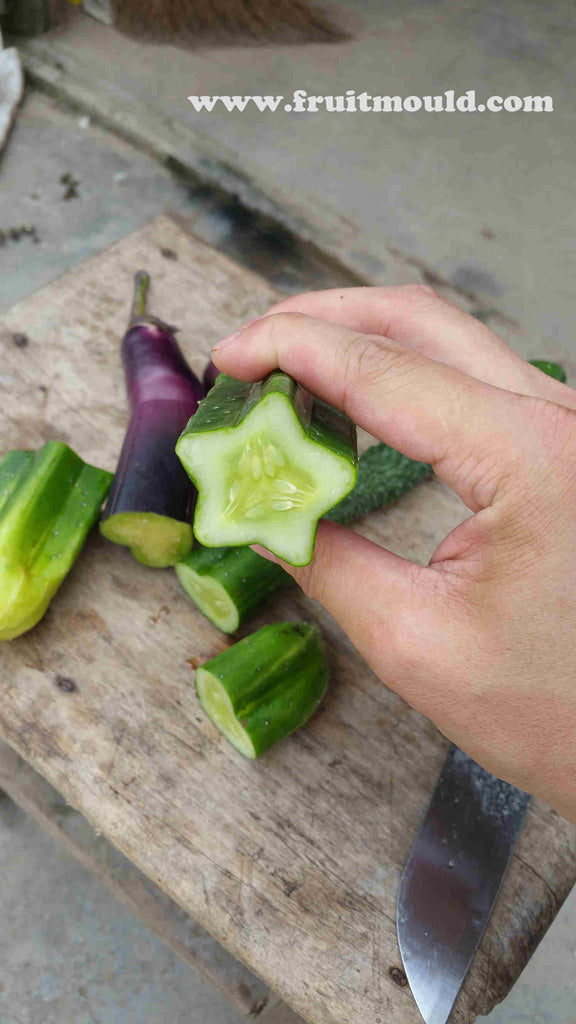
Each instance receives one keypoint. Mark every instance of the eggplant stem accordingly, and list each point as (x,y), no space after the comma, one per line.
(141,283)
(138,314)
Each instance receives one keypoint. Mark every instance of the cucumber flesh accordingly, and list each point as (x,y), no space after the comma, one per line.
(210,596)
(229,584)
(218,707)
(268,460)
(49,501)
(154,540)
(265,686)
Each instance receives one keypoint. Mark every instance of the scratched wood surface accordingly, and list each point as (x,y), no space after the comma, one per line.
(292,862)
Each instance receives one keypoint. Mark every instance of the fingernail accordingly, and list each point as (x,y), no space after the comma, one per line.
(231,338)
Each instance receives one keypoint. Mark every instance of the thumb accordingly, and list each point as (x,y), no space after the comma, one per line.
(368,590)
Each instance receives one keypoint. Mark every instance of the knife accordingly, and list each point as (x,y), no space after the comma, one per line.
(452,877)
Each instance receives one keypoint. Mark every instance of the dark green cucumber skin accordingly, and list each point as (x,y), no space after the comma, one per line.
(229,401)
(13,469)
(275,679)
(384,475)
(553,370)
(248,579)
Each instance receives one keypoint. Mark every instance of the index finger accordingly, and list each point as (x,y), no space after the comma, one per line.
(427,410)
(420,318)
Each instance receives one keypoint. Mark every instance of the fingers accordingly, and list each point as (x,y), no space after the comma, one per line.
(469,431)
(419,318)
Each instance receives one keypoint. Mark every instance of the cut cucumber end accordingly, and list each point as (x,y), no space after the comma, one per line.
(154,540)
(218,707)
(264,687)
(275,482)
(211,598)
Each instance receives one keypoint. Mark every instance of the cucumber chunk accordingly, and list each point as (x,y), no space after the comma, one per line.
(265,686)
(268,460)
(49,500)
(229,584)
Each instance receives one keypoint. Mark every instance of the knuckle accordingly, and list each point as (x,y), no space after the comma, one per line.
(360,355)
(370,364)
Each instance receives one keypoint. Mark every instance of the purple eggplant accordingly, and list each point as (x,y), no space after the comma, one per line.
(151,502)
(209,377)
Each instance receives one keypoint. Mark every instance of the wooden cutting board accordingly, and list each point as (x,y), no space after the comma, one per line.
(292,862)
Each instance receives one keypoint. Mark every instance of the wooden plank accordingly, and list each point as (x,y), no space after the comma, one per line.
(293,862)
(139,895)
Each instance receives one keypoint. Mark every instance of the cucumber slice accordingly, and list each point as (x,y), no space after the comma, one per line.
(49,500)
(268,460)
(229,584)
(265,686)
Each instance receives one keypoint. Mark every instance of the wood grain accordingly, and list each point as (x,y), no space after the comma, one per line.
(292,862)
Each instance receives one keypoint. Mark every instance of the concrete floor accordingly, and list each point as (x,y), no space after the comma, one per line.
(484,201)
(68,953)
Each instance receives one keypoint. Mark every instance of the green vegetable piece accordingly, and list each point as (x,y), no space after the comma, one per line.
(265,686)
(154,540)
(49,500)
(268,460)
(551,369)
(229,584)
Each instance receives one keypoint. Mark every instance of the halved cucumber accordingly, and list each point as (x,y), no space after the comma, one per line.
(49,501)
(268,460)
(265,686)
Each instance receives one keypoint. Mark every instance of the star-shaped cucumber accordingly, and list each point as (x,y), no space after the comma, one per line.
(268,459)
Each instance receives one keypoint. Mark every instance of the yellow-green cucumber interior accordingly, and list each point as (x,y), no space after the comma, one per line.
(229,585)
(212,598)
(154,540)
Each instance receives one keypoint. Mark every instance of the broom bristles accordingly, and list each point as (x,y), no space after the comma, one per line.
(189,22)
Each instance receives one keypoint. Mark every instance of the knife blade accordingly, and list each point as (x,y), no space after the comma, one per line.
(452,877)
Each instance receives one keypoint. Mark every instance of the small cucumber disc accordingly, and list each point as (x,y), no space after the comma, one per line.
(212,598)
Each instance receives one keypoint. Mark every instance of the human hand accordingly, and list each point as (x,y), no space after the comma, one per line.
(482,640)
